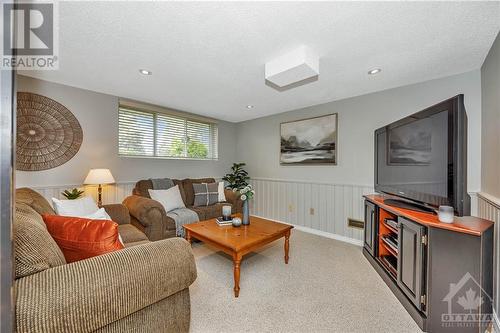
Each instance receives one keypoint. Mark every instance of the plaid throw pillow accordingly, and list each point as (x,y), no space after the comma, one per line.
(205,194)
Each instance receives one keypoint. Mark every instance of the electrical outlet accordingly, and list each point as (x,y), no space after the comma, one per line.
(290,208)
(311,211)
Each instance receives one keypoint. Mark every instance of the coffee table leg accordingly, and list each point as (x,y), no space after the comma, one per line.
(188,236)
(287,245)
(236,270)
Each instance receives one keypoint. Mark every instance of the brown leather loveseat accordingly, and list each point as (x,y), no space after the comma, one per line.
(149,215)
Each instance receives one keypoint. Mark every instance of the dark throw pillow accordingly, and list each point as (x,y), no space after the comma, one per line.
(205,194)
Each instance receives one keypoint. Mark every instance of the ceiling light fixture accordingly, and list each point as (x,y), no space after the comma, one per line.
(249,106)
(292,67)
(374,71)
(145,72)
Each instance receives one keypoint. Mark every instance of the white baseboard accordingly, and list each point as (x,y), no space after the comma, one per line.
(320,233)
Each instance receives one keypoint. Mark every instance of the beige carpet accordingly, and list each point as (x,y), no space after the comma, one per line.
(328,286)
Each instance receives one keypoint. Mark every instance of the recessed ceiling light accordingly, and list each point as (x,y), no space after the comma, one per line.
(249,106)
(145,72)
(374,71)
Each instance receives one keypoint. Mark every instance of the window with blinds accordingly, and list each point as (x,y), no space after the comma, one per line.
(158,134)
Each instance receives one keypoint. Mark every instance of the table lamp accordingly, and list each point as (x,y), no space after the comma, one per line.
(99,177)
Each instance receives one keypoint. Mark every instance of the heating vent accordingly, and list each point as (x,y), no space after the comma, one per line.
(355,223)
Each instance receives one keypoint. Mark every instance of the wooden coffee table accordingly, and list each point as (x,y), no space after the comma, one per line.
(239,241)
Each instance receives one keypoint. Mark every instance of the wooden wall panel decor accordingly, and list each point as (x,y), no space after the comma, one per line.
(48,134)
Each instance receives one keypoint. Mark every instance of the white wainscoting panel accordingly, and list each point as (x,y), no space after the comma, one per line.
(489,208)
(292,201)
(114,193)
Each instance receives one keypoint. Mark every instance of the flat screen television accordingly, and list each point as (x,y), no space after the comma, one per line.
(422,159)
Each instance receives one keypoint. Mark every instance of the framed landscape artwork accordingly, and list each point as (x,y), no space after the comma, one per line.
(309,141)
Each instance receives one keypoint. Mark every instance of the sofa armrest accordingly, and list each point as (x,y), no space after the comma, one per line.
(151,215)
(118,213)
(234,199)
(86,295)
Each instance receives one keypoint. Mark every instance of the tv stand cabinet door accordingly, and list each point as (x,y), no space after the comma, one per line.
(370,234)
(411,267)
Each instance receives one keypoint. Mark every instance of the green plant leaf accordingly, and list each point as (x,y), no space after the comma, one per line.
(73,194)
(238,178)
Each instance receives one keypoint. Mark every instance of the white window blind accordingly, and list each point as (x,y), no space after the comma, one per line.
(158,134)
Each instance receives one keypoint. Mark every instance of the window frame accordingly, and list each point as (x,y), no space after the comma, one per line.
(155,111)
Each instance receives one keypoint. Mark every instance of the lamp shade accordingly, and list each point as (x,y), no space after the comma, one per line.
(99,176)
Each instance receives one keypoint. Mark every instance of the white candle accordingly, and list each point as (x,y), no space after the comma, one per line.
(226,211)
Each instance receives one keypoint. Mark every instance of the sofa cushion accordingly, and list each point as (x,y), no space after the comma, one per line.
(118,213)
(131,234)
(33,199)
(200,211)
(34,249)
(142,188)
(221,190)
(170,199)
(210,212)
(80,207)
(187,184)
(205,194)
(100,214)
(80,238)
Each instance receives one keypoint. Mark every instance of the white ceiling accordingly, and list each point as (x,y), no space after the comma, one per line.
(208,58)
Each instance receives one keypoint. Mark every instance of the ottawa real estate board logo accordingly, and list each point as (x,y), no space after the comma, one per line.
(30,36)
(465,299)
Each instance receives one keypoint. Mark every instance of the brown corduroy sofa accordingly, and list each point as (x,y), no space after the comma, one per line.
(142,288)
(150,216)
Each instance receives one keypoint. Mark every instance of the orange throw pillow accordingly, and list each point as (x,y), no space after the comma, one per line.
(81,238)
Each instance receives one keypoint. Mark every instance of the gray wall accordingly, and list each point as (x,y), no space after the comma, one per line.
(258,140)
(98,116)
(490,162)
(322,198)
(490,82)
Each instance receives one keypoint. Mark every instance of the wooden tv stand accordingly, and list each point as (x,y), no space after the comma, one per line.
(438,271)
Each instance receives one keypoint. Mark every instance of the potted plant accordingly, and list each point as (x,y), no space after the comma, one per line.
(238,182)
(238,179)
(73,194)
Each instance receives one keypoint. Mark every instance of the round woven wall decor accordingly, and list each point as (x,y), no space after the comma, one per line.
(48,134)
